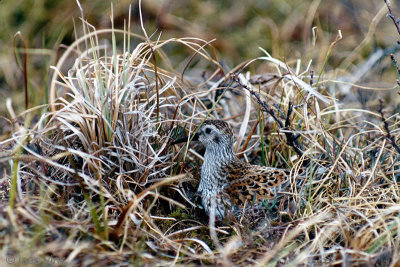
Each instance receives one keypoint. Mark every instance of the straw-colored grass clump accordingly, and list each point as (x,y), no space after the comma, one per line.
(96,178)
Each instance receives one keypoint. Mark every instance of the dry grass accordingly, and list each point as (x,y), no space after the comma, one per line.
(94,180)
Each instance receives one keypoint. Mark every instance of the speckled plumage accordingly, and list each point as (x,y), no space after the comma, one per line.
(227,182)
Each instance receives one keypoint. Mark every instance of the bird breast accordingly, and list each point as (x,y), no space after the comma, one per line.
(213,179)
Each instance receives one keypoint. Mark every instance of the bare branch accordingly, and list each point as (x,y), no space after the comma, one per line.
(386,127)
(291,139)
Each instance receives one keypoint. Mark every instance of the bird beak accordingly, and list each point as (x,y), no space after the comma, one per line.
(196,137)
(186,139)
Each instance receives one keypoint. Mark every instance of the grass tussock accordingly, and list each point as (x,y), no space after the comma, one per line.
(95,179)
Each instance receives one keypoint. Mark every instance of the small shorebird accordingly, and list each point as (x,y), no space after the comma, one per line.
(228,183)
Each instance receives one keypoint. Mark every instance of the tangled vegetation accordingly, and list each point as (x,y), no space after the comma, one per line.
(91,176)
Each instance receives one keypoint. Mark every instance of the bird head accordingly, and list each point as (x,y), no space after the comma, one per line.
(212,134)
(215,133)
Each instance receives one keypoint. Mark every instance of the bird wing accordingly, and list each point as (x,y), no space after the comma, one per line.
(252,183)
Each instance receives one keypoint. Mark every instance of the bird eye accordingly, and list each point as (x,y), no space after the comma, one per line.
(208,130)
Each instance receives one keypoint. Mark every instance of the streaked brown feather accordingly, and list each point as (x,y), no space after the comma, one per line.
(252,183)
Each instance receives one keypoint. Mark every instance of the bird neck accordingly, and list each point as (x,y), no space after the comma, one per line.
(220,153)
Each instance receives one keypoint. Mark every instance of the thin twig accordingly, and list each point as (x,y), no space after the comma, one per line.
(386,127)
(397,67)
(291,139)
(390,15)
(264,106)
(396,23)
